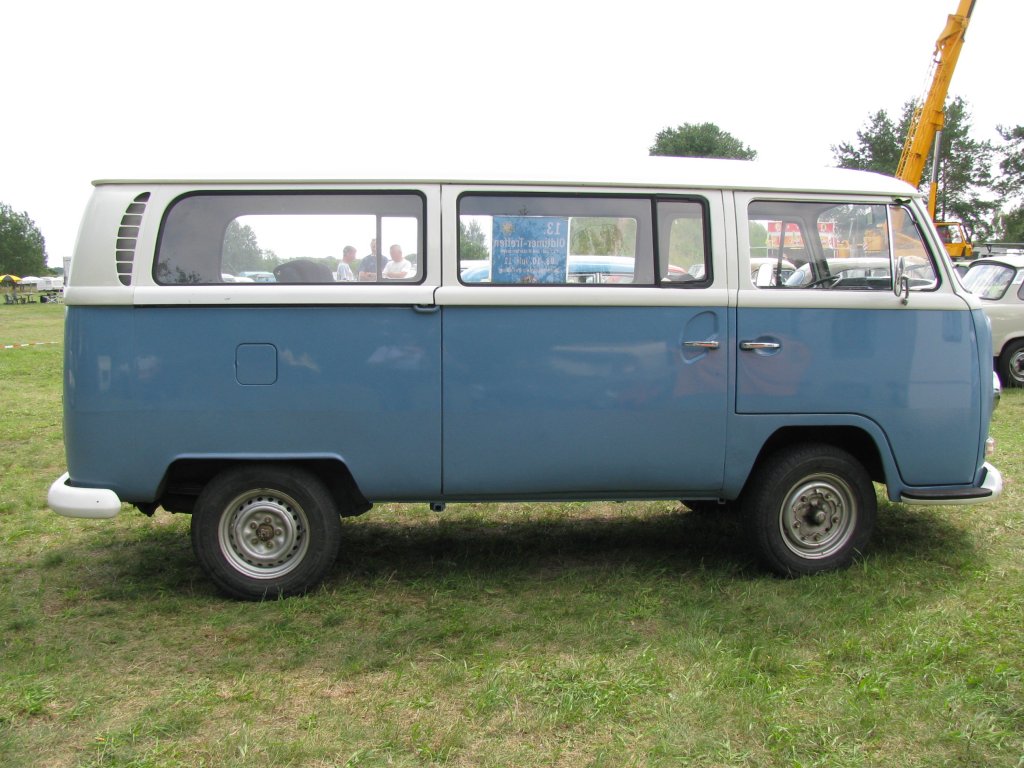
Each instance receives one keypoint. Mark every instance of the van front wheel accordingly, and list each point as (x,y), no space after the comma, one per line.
(265,531)
(809,509)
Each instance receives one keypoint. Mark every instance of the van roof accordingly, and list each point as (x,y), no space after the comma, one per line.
(668,172)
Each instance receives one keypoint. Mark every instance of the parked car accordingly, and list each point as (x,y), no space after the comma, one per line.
(870,272)
(863,273)
(766,272)
(582,269)
(999,283)
(259,277)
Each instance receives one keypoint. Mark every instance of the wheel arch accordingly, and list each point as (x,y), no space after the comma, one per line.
(854,440)
(1004,342)
(187,476)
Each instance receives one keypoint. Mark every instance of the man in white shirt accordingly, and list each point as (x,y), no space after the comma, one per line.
(348,257)
(398,268)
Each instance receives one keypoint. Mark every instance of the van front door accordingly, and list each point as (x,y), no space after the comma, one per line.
(833,343)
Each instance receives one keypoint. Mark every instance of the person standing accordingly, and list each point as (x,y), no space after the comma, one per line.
(345,271)
(371,265)
(398,268)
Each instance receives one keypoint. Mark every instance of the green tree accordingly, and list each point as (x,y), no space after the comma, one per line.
(965,176)
(700,140)
(1011,183)
(472,242)
(22,246)
(1010,226)
(602,236)
(242,251)
(877,148)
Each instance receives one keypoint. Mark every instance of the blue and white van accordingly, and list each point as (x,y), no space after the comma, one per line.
(267,409)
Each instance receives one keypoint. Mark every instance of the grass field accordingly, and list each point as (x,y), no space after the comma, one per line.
(490,635)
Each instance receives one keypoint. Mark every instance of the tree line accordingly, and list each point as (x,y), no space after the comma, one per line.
(22,245)
(980,183)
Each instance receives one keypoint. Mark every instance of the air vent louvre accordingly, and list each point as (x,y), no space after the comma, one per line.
(128,238)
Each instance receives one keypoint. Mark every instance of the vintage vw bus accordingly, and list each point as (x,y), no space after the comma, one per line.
(267,409)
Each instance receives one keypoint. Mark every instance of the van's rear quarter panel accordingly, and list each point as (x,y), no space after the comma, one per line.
(145,385)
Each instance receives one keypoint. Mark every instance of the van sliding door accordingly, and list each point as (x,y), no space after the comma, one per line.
(578,358)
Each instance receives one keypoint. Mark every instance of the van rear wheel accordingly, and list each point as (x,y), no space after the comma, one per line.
(810,509)
(265,531)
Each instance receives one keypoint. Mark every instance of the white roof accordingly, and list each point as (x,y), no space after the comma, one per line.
(1015,260)
(668,172)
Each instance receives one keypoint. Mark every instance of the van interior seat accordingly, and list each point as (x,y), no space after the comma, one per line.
(303,271)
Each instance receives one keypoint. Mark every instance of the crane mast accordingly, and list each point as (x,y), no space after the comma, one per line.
(928,117)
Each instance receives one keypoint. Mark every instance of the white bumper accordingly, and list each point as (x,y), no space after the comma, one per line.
(93,503)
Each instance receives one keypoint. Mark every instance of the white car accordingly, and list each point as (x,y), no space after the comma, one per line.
(859,272)
(766,272)
(999,282)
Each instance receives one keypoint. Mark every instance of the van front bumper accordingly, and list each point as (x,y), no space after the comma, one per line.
(93,503)
(990,488)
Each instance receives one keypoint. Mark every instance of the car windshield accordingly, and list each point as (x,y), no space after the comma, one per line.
(988,281)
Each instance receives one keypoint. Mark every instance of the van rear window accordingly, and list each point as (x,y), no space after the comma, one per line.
(301,237)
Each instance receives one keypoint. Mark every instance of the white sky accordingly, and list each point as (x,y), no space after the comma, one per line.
(111,89)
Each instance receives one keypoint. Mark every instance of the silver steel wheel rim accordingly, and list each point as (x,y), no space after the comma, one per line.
(818,516)
(263,534)
(1017,366)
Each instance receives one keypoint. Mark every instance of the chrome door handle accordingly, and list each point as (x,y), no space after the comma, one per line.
(701,344)
(751,346)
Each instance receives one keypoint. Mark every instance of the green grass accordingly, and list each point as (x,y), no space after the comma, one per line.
(500,635)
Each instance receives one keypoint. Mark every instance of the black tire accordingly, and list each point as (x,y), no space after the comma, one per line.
(1011,364)
(809,509)
(265,531)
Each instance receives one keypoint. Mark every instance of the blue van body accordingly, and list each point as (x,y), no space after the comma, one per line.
(441,390)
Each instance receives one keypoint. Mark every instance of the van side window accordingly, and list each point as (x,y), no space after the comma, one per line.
(295,237)
(682,243)
(555,240)
(822,245)
(909,250)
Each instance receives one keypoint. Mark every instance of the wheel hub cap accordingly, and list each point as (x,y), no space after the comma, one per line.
(263,534)
(818,516)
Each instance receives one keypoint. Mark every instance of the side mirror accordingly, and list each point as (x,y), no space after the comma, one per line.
(901,282)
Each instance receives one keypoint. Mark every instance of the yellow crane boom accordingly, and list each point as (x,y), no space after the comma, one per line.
(928,117)
(929,114)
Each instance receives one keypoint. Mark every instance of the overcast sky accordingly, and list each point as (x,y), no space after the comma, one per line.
(111,89)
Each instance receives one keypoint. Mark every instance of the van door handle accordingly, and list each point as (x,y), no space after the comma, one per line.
(753,346)
(426,309)
(701,344)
